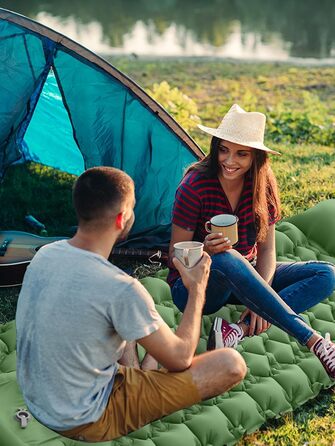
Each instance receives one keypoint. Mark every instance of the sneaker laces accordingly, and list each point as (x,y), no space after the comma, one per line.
(325,350)
(233,337)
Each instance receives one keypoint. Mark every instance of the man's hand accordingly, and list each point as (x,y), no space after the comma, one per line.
(215,243)
(175,351)
(197,276)
(257,323)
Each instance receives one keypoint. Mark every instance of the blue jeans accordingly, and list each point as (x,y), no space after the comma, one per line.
(295,288)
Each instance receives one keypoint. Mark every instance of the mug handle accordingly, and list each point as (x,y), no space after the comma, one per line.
(207,226)
(185,257)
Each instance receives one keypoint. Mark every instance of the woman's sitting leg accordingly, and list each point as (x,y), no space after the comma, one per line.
(304,284)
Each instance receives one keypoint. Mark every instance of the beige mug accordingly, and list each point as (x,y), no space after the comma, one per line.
(227,224)
(189,253)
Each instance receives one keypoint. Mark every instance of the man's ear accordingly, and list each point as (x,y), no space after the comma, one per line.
(119,220)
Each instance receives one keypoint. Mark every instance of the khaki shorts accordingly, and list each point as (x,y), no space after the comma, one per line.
(137,398)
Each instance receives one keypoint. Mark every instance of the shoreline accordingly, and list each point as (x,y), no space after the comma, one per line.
(292,62)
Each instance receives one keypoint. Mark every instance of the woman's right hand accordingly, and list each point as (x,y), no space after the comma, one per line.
(215,243)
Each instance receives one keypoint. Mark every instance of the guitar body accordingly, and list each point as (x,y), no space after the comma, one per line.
(17,249)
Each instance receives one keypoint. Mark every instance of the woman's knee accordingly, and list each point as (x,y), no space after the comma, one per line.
(227,259)
(328,272)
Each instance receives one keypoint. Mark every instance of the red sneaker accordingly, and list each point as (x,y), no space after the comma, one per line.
(223,334)
(324,349)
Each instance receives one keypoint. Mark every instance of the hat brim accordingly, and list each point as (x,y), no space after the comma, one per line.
(219,133)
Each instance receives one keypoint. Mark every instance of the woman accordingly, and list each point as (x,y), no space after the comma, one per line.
(236,178)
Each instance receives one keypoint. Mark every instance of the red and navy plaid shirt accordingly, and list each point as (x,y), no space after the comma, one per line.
(199,198)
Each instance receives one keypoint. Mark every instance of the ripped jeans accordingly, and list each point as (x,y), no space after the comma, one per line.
(296,287)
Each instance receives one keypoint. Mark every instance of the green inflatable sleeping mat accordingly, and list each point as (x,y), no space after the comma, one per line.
(282,375)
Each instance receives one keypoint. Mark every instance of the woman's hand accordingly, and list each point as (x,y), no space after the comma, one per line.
(215,243)
(257,323)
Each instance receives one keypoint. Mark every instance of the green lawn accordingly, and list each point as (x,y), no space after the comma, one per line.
(300,102)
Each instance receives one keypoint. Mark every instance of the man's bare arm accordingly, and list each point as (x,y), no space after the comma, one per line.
(175,351)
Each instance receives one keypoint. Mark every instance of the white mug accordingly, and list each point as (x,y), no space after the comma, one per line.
(226,224)
(189,253)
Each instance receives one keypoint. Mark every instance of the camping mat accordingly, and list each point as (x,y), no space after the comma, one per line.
(281,376)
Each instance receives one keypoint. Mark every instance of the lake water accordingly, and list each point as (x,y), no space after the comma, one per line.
(284,30)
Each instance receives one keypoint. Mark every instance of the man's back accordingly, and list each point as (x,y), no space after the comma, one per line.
(74,314)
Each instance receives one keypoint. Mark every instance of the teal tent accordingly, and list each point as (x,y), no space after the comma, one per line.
(63,106)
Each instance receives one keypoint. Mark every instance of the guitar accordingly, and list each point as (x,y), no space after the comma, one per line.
(17,249)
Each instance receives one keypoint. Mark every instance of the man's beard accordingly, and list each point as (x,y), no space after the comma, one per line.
(124,234)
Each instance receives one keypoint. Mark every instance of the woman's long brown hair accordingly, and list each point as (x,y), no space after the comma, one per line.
(265,192)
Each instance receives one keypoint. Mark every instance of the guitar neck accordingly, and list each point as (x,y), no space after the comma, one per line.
(139,253)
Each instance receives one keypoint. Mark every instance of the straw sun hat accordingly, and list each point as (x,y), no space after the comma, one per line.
(241,127)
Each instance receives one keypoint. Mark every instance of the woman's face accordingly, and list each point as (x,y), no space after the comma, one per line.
(234,160)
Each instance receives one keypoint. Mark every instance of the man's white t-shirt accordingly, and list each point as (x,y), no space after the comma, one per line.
(75,313)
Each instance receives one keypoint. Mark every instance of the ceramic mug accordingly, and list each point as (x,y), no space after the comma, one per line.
(189,253)
(227,224)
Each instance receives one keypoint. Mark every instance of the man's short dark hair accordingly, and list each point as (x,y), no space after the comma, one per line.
(99,192)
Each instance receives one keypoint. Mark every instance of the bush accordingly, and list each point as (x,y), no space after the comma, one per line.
(182,108)
(314,125)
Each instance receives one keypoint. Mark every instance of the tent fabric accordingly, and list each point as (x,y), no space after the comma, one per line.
(282,375)
(65,107)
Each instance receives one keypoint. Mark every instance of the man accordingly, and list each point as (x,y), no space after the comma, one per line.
(77,311)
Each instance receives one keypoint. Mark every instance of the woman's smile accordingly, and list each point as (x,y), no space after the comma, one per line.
(235,160)
(230,170)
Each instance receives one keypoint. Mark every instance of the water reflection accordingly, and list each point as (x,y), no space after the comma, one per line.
(276,29)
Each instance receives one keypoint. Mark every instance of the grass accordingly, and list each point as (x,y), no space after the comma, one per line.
(305,174)
(40,191)
(8,300)
(311,424)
